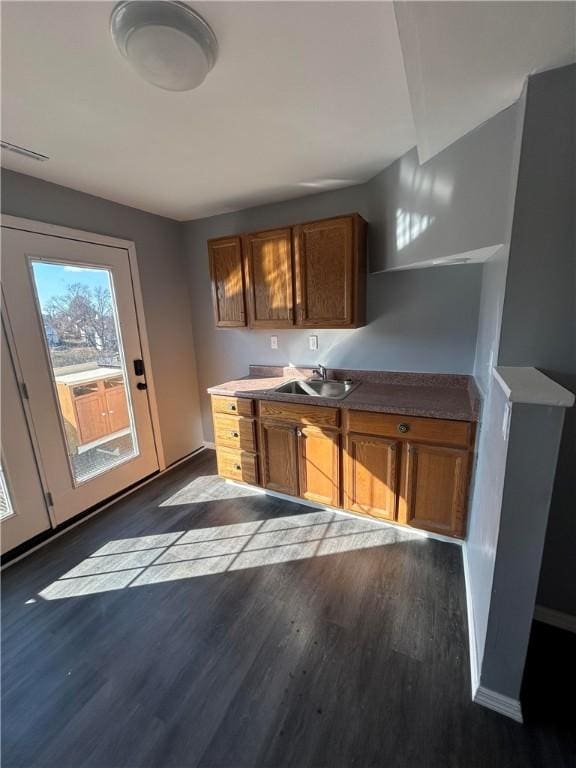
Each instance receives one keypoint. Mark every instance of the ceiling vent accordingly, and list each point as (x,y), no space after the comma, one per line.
(23,151)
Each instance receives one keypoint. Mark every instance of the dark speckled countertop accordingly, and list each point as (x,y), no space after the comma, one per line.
(443,396)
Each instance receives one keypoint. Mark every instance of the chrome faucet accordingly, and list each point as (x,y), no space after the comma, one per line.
(322,372)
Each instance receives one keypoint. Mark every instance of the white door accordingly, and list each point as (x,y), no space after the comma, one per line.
(74,330)
(23,511)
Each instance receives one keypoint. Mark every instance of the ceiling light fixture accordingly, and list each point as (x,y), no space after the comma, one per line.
(166,42)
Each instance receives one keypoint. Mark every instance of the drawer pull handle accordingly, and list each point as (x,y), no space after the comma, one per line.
(232,407)
(237,467)
(234,434)
(403,428)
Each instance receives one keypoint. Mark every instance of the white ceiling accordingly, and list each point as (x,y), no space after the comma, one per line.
(466,61)
(301,92)
(304,95)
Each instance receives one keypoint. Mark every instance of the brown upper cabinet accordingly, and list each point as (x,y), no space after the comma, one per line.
(227,276)
(310,275)
(331,272)
(269,284)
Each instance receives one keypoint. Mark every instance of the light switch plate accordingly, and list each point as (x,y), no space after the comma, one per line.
(313,342)
(273,342)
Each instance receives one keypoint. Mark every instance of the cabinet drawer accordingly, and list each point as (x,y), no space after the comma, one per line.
(292,413)
(237,465)
(439,431)
(234,432)
(236,405)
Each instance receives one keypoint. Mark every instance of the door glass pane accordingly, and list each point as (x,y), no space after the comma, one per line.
(5,503)
(81,330)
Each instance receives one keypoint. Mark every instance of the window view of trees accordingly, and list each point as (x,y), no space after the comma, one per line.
(80,326)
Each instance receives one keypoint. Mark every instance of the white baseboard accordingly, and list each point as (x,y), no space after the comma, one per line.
(555,618)
(472,645)
(499,703)
(481,695)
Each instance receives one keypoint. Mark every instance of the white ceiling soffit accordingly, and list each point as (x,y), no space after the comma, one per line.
(466,61)
(303,97)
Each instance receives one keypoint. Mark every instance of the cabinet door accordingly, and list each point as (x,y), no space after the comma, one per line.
(325,273)
(227,278)
(269,278)
(116,404)
(279,458)
(92,417)
(319,465)
(434,488)
(371,472)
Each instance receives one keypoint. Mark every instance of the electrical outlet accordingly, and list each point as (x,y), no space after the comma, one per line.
(313,342)
(273,342)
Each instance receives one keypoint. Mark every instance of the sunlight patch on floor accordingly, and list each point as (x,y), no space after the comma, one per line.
(204,488)
(144,560)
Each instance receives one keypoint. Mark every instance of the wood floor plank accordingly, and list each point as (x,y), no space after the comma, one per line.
(199,624)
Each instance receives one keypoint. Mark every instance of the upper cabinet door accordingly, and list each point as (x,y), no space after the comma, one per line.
(269,289)
(227,282)
(331,273)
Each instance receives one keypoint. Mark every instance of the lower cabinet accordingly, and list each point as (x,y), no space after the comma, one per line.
(319,465)
(279,457)
(414,471)
(301,461)
(371,467)
(237,465)
(435,488)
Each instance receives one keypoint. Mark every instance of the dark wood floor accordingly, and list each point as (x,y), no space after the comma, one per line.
(299,640)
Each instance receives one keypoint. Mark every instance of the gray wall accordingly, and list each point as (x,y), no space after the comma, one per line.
(527,318)
(539,316)
(530,464)
(463,191)
(492,447)
(490,315)
(164,288)
(422,320)
(484,517)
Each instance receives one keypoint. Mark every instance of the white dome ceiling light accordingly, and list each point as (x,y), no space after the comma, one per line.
(165,42)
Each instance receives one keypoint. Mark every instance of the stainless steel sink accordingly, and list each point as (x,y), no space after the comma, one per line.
(335,390)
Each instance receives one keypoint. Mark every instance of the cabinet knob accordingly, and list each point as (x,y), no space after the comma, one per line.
(234,434)
(232,407)
(403,427)
(237,467)
(299,432)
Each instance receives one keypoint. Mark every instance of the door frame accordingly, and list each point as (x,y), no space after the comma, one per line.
(24,481)
(67,233)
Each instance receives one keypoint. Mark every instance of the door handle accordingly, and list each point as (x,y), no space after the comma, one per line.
(141,385)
